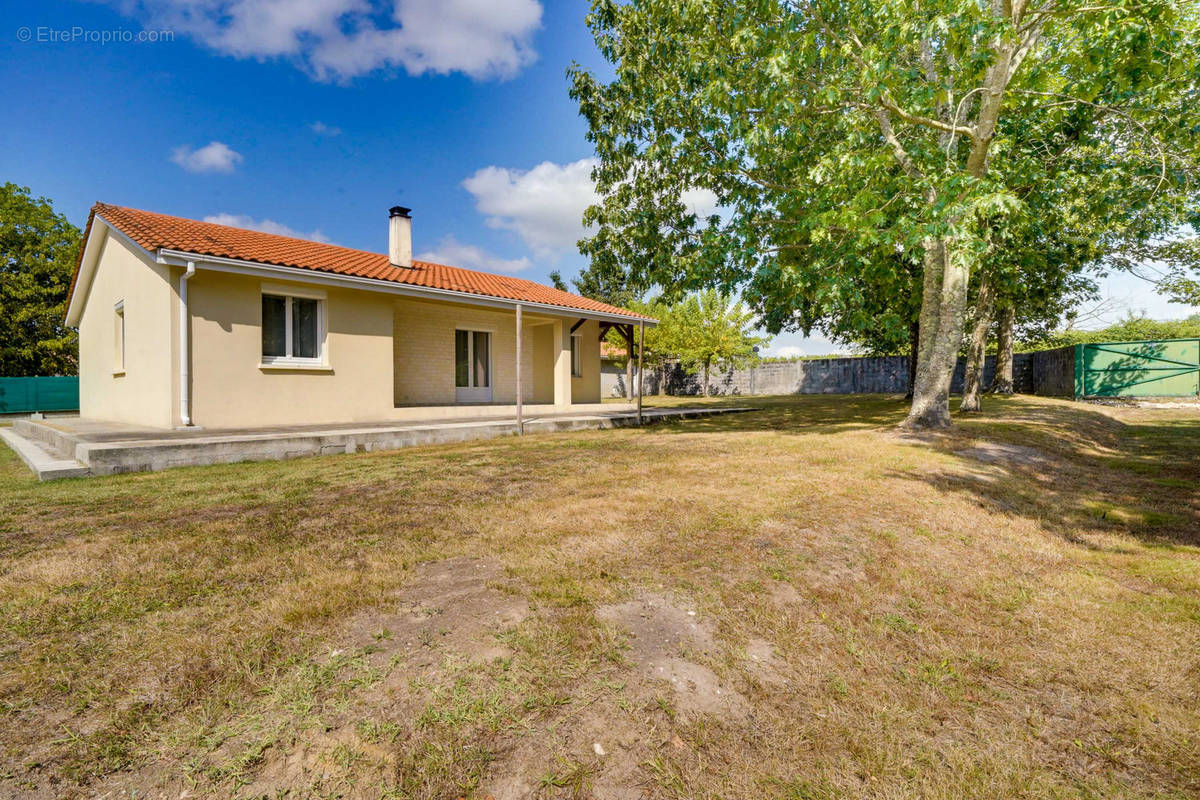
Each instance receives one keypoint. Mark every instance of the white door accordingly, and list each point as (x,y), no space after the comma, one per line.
(472,366)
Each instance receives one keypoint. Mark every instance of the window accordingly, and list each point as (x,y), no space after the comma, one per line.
(472,359)
(576,357)
(119,337)
(292,329)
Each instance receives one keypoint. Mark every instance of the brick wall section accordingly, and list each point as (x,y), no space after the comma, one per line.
(423,347)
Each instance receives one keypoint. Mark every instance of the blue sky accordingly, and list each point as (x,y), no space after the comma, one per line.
(312,117)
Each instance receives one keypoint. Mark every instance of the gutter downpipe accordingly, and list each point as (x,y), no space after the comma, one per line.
(185,349)
(520,410)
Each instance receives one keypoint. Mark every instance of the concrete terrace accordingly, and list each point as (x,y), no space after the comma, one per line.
(64,447)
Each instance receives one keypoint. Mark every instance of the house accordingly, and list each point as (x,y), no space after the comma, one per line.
(188,323)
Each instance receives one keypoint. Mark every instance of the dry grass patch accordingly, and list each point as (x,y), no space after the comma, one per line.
(1011,609)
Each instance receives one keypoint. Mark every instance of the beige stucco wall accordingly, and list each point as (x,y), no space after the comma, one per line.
(586,389)
(384,354)
(231,388)
(145,393)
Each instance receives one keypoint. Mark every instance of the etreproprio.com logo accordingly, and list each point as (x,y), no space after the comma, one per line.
(77,34)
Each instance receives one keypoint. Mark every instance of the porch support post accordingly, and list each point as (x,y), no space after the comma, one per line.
(641,351)
(562,365)
(520,417)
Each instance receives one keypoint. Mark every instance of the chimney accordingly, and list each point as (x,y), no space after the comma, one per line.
(400,237)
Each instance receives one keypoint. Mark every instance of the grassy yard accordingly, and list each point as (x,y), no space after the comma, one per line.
(798,602)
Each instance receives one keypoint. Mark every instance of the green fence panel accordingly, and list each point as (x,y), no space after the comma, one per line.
(1167,368)
(23,395)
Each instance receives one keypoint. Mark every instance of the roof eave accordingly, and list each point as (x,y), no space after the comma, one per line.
(221,264)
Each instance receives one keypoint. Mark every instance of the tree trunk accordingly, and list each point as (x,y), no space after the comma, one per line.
(914,343)
(977,354)
(706,378)
(943,301)
(662,380)
(1002,382)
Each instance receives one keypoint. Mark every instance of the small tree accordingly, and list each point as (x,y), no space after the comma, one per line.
(37,257)
(709,328)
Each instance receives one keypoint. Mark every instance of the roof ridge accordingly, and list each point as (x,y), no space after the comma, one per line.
(313,242)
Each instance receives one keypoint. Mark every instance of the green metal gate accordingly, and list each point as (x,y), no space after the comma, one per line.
(22,395)
(1168,368)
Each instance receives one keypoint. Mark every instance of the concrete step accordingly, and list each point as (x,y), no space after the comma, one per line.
(59,443)
(46,465)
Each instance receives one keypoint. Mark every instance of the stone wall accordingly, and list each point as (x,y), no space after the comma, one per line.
(1052,372)
(1049,372)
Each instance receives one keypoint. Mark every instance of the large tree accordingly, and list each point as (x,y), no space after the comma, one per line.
(833,131)
(37,256)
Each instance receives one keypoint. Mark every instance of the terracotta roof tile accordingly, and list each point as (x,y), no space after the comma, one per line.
(153,231)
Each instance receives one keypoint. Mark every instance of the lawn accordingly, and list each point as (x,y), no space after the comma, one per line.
(797,602)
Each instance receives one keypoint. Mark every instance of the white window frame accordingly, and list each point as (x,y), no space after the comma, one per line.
(472,393)
(576,355)
(119,336)
(289,293)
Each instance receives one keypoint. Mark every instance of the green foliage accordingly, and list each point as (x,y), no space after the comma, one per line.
(37,256)
(610,284)
(1132,329)
(698,331)
(709,328)
(878,308)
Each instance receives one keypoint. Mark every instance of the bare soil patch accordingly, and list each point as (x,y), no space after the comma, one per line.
(670,642)
(455,606)
(451,613)
(1003,453)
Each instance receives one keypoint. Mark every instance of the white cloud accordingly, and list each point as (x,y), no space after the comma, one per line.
(213,157)
(321,129)
(454,253)
(265,225)
(701,202)
(342,39)
(787,351)
(544,205)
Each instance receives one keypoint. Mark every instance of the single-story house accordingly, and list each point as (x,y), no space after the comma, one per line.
(188,323)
